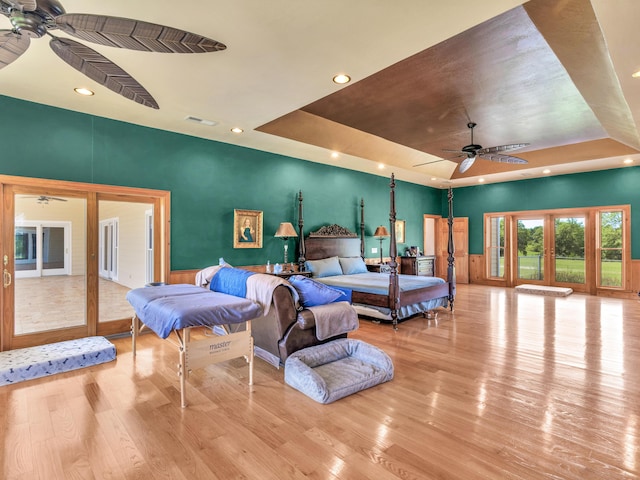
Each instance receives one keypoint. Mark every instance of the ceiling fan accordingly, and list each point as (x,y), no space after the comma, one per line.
(36,18)
(472,151)
(44,199)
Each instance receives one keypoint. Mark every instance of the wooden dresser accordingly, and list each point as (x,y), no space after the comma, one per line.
(424,266)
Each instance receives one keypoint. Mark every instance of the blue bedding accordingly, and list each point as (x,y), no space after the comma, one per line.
(172,307)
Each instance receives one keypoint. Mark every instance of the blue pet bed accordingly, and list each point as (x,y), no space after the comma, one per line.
(333,370)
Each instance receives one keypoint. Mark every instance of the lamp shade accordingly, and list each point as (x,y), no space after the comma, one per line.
(381,231)
(286,230)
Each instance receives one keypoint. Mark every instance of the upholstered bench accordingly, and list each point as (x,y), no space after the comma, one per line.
(336,369)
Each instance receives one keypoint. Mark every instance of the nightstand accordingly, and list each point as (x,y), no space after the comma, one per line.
(424,265)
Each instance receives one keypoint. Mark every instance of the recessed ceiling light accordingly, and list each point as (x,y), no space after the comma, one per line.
(83,91)
(546,170)
(628,161)
(237,130)
(481,180)
(381,166)
(341,79)
(335,154)
(433,179)
(636,74)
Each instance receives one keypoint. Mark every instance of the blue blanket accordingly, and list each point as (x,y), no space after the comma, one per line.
(232,281)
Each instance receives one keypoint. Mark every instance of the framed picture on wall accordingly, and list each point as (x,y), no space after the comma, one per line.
(247,228)
(400,224)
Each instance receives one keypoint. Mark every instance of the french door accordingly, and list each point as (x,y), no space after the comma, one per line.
(71,252)
(552,249)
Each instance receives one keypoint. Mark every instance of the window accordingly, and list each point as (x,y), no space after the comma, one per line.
(495,246)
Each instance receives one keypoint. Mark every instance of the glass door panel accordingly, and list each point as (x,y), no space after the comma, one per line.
(50,288)
(569,250)
(531,250)
(610,246)
(125,254)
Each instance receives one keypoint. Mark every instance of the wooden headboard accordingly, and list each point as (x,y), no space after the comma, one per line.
(332,241)
(319,247)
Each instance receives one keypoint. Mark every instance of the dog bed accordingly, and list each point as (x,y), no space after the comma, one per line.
(335,369)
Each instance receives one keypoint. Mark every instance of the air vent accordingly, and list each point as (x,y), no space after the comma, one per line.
(209,123)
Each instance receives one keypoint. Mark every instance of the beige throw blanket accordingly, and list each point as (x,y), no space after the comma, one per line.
(260,289)
(334,319)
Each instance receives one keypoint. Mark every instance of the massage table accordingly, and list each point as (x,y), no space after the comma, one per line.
(179,308)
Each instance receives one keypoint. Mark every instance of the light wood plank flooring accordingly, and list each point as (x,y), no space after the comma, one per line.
(49,303)
(511,386)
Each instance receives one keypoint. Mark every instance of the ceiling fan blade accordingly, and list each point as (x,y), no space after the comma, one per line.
(23,5)
(428,163)
(454,151)
(102,70)
(498,157)
(12,46)
(134,34)
(466,164)
(502,148)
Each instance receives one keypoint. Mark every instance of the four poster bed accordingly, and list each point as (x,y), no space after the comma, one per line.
(335,256)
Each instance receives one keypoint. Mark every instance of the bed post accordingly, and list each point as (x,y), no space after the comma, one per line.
(451,278)
(394,300)
(301,248)
(362,228)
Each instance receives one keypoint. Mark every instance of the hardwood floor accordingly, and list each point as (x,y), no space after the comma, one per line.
(510,386)
(49,303)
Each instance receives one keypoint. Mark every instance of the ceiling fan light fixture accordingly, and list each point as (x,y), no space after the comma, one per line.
(85,92)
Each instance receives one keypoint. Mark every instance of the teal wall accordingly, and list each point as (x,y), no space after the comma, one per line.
(207,181)
(606,187)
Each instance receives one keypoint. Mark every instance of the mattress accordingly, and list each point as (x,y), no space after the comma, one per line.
(378,283)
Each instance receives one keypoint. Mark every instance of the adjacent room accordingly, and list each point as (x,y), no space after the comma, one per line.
(490,149)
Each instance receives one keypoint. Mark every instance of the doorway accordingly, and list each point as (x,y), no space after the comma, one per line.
(71,252)
(42,248)
(551,250)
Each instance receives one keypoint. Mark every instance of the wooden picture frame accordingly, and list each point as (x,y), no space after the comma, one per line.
(400,226)
(247,228)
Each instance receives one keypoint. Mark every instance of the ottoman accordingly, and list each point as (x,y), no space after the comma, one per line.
(333,370)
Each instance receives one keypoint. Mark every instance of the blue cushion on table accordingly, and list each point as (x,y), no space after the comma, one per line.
(232,281)
(314,293)
(352,265)
(327,267)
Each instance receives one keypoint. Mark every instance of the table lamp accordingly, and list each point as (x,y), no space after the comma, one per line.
(381,232)
(285,231)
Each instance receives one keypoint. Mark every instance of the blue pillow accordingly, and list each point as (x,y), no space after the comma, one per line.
(314,293)
(327,267)
(352,265)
